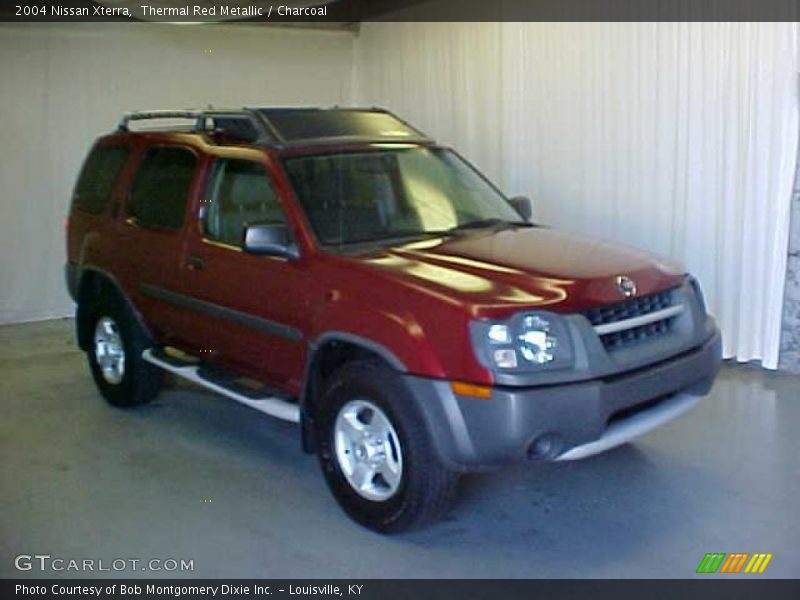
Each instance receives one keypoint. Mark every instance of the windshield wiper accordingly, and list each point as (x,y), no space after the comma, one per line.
(390,236)
(486,223)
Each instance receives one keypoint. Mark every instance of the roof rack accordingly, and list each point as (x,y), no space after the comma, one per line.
(213,120)
(288,127)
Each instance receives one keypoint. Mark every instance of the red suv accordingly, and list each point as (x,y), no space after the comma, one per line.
(338,268)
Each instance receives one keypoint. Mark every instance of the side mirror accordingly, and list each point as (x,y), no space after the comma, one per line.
(270,240)
(524,207)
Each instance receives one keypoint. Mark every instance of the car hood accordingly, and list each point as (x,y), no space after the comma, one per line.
(527,266)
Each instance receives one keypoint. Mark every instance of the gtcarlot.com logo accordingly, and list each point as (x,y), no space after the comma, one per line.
(45,562)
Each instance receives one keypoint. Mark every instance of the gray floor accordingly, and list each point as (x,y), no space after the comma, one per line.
(196,476)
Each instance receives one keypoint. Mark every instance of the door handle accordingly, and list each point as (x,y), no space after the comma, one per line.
(195,263)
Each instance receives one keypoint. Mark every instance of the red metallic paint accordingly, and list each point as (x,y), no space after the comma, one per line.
(415,300)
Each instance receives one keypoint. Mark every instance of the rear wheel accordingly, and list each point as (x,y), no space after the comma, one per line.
(376,452)
(115,354)
(109,352)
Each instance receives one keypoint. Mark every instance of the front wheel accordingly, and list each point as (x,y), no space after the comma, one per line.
(376,452)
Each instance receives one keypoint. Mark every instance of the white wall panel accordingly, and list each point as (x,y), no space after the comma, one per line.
(677,137)
(63,85)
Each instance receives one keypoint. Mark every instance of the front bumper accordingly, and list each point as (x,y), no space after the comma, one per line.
(563,421)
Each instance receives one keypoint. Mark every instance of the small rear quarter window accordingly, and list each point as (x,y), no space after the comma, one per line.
(98,176)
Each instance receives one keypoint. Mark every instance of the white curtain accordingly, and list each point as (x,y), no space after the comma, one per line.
(676,137)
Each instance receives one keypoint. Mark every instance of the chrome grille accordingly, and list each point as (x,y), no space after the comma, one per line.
(631,309)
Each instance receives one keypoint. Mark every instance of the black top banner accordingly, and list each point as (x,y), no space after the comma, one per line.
(343,12)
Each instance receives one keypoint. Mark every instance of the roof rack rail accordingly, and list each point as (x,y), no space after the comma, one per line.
(288,127)
(212,120)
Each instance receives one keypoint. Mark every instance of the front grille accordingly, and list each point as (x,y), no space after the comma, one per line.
(629,309)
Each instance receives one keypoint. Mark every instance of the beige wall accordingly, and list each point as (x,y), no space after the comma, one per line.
(63,85)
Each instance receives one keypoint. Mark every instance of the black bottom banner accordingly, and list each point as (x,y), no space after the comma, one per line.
(387,589)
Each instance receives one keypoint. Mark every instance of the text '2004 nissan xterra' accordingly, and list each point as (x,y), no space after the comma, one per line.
(339,269)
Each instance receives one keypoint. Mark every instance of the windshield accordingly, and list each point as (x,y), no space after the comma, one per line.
(394,193)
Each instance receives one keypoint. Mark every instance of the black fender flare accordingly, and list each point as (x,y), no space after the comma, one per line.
(84,279)
(311,381)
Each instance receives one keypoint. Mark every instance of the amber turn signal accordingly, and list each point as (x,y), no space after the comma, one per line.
(470,389)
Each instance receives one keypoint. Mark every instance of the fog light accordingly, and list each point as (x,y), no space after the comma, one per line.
(505,358)
(545,447)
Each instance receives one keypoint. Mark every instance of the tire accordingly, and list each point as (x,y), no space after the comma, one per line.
(114,330)
(411,486)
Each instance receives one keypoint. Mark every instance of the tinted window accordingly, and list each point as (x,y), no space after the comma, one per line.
(97,178)
(302,125)
(161,187)
(239,194)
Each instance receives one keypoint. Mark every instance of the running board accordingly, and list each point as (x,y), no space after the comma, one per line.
(625,430)
(274,407)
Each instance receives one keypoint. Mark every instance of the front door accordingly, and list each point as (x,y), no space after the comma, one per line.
(247,311)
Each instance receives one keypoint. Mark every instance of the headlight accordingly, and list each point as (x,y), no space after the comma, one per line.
(529,341)
(535,342)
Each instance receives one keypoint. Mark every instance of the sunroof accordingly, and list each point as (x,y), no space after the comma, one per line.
(299,125)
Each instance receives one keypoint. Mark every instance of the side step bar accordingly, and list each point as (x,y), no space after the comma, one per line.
(275,407)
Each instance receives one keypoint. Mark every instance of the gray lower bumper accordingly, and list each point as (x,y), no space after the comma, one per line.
(635,425)
(563,422)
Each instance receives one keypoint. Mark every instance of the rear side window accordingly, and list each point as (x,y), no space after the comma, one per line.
(161,187)
(97,178)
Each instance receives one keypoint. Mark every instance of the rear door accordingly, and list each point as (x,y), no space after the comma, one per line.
(248,312)
(151,240)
